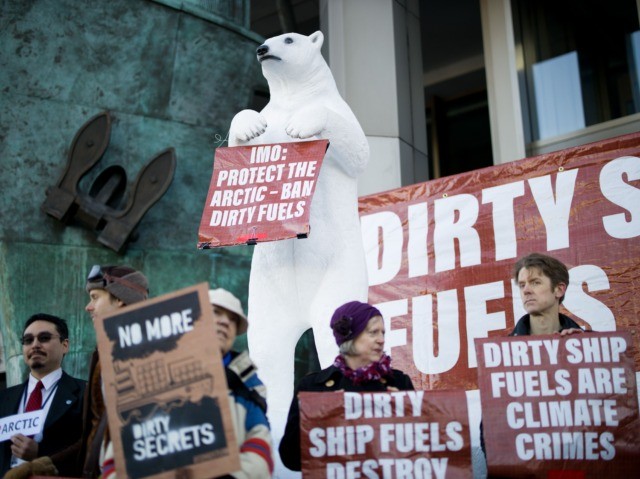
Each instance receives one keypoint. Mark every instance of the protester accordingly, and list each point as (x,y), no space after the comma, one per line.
(247,394)
(362,365)
(542,281)
(45,342)
(110,288)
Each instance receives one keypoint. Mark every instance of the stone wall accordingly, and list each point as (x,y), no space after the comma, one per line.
(169,78)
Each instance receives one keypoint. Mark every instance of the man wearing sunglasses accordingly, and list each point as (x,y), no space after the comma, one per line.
(110,288)
(45,341)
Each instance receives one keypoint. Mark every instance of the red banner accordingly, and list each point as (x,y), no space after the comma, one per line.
(260,193)
(552,403)
(440,253)
(385,434)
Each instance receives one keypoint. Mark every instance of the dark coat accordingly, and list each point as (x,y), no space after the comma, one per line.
(330,379)
(523,326)
(63,424)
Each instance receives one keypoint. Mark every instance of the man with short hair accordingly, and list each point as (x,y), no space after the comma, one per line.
(45,342)
(542,281)
(110,288)
(247,394)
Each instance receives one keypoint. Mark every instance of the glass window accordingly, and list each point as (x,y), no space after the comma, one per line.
(580,63)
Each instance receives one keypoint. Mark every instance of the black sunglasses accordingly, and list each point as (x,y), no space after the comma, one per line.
(28,339)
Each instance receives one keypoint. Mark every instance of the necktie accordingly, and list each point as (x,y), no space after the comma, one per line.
(35,398)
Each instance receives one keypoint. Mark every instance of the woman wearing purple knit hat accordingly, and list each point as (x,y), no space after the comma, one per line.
(362,365)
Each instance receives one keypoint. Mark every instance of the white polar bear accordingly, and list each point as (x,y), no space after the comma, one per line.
(298,283)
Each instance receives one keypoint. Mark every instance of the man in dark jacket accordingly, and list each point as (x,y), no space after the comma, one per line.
(45,341)
(109,288)
(542,281)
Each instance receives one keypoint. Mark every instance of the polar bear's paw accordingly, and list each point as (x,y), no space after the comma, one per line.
(247,125)
(307,122)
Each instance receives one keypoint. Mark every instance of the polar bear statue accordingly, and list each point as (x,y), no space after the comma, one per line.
(296,284)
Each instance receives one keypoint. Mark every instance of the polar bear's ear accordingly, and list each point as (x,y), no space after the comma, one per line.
(317,39)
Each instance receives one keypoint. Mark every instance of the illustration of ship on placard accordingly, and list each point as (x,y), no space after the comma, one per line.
(145,388)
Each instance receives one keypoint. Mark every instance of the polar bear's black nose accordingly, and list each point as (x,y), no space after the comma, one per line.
(262,50)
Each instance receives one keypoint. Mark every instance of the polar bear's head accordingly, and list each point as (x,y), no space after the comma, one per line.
(292,57)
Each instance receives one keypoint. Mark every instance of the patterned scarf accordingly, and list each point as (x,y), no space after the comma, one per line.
(373,372)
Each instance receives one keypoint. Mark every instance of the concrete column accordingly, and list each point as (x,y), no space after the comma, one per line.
(377,64)
(505,108)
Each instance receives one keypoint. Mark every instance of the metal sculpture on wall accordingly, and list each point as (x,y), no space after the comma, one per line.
(100,208)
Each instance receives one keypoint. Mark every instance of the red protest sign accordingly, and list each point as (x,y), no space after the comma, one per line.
(440,253)
(559,403)
(385,434)
(260,193)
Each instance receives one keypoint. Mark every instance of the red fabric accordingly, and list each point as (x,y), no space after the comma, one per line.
(35,399)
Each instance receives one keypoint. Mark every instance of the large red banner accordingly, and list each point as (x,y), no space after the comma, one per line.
(260,193)
(552,403)
(385,434)
(440,253)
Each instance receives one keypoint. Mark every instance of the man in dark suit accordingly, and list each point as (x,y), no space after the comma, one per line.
(45,341)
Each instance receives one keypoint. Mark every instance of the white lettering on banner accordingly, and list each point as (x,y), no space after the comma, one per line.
(421,468)
(429,358)
(417,243)
(267,153)
(154,438)
(555,212)
(576,300)
(296,189)
(434,358)
(340,440)
(167,325)
(454,219)
(384,228)
(381,405)
(232,217)
(621,193)
(384,251)
(479,322)
(530,383)
(238,197)
(301,169)
(566,445)
(280,211)
(250,176)
(576,413)
(516,353)
(391,309)
(602,380)
(595,350)
(504,227)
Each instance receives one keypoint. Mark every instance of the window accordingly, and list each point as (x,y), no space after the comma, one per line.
(579,66)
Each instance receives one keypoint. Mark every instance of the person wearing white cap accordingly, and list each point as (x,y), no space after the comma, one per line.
(247,394)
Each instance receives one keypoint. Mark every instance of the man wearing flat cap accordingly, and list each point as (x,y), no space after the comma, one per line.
(247,394)
(110,288)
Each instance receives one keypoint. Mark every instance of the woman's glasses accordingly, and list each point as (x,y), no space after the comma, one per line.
(28,339)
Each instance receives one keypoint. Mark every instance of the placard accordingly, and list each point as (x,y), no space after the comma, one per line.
(260,193)
(440,253)
(166,390)
(415,434)
(27,423)
(559,403)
